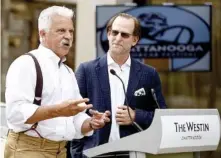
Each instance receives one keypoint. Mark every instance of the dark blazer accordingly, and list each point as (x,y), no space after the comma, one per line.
(93,82)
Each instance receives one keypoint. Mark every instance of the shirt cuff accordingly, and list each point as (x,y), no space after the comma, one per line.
(20,115)
(28,110)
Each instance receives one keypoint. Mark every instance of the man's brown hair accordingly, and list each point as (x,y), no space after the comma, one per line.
(137,28)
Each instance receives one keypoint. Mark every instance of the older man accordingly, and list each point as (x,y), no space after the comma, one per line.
(39,131)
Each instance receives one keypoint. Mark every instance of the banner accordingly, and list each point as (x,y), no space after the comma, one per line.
(180,35)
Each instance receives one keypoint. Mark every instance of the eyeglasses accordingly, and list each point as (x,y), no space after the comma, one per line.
(123,34)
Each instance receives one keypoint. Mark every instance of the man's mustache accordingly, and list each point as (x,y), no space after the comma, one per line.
(66,42)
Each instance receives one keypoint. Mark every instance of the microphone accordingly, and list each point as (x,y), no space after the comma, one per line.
(155,97)
(133,123)
(114,73)
(146,99)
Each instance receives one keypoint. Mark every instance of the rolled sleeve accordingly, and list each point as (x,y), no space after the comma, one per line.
(20,86)
(18,115)
(78,122)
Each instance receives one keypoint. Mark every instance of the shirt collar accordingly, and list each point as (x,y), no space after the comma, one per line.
(48,53)
(110,61)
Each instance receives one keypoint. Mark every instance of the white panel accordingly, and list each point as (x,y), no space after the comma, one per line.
(188,131)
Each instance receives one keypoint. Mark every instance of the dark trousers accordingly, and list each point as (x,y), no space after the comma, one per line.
(76,152)
(123,154)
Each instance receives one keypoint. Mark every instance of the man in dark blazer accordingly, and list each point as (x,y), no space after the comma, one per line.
(105,90)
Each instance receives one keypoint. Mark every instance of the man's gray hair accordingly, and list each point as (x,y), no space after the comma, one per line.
(44,20)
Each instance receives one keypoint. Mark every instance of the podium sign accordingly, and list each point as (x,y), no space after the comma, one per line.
(189,131)
(171,131)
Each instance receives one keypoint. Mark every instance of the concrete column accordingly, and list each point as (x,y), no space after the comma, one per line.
(4,44)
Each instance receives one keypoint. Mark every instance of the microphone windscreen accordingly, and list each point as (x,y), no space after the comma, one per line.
(112,72)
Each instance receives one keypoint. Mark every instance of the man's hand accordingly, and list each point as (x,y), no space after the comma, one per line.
(72,107)
(99,119)
(67,108)
(122,116)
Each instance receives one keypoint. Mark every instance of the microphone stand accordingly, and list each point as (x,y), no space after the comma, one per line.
(133,122)
(154,97)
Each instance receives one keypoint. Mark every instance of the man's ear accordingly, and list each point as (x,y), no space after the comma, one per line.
(135,40)
(108,35)
(42,34)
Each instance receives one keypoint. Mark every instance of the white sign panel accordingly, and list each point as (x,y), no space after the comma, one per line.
(189,131)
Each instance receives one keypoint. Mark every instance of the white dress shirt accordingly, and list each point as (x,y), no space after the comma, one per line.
(117,93)
(59,84)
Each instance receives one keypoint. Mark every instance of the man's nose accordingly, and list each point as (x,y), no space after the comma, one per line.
(68,35)
(118,37)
